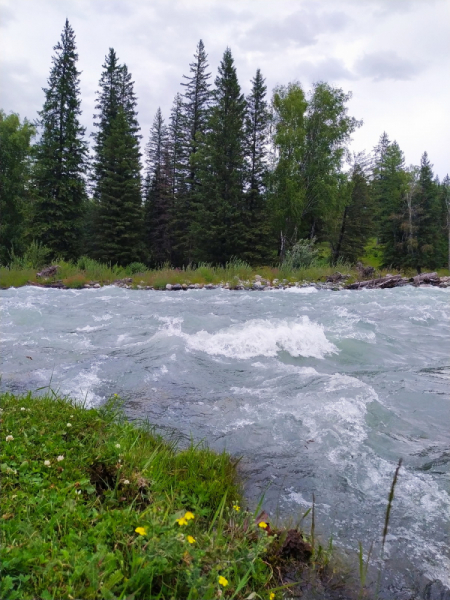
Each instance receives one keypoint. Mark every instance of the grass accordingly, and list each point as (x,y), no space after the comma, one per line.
(96,507)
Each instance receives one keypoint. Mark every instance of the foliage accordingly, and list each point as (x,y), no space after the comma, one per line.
(95,507)
(61,156)
(302,255)
(15,138)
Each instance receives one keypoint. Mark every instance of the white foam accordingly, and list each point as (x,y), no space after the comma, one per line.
(301,290)
(264,337)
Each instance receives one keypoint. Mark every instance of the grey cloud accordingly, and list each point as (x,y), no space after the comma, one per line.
(327,69)
(387,65)
(21,89)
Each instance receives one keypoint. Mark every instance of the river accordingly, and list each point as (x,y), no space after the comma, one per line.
(320,393)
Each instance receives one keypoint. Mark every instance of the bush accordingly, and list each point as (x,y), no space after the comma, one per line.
(136,267)
(35,257)
(302,255)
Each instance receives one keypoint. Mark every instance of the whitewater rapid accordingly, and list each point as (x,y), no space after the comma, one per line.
(320,393)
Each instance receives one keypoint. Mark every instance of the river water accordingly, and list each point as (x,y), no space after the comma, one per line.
(320,392)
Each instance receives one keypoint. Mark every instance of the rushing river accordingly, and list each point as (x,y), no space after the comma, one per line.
(320,392)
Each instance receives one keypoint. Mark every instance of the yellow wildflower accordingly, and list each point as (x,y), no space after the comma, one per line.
(182,521)
(223,581)
(272,596)
(141,530)
(191,539)
(236,507)
(188,516)
(262,525)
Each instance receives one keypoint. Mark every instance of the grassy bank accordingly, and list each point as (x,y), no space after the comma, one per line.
(96,507)
(88,271)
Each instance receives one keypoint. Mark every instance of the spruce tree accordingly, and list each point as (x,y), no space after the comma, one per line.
(61,155)
(119,192)
(220,198)
(158,194)
(118,215)
(257,224)
(426,201)
(191,124)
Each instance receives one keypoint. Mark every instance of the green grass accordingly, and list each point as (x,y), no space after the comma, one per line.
(93,507)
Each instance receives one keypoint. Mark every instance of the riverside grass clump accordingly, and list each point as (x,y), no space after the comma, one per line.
(87,271)
(96,507)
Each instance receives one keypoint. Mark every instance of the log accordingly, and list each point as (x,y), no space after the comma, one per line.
(381,282)
(48,271)
(432,278)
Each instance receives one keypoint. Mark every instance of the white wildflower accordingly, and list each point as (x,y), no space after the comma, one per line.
(126,482)
(117,445)
(60,458)
(9,438)
(68,424)
(78,492)
(47,463)
(23,408)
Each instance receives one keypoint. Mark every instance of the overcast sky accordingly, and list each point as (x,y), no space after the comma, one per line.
(394,55)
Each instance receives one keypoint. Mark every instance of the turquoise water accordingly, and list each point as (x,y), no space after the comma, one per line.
(320,392)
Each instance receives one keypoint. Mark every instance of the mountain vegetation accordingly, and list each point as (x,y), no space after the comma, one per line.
(224,176)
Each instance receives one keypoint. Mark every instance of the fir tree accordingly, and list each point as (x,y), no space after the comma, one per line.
(117,214)
(426,201)
(61,155)
(158,194)
(119,191)
(257,225)
(221,162)
(188,125)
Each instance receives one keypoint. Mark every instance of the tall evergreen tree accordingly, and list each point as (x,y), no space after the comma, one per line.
(190,123)
(445,198)
(118,203)
(426,200)
(257,226)
(221,166)
(119,191)
(61,155)
(158,194)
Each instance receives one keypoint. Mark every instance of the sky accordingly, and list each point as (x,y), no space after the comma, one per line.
(393,55)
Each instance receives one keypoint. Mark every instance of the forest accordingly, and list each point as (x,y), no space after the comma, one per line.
(223,176)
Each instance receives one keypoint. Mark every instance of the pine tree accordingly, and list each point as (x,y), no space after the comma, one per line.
(390,187)
(158,194)
(190,125)
(428,227)
(221,162)
(116,173)
(61,155)
(356,223)
(119,193)
(257,226)
(445,203)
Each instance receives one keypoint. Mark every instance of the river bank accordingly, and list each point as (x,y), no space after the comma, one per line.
(94,506)
(235,277)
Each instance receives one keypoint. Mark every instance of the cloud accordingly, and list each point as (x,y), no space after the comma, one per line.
(387,64)
(326,69)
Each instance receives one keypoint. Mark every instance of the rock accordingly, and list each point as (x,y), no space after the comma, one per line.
(258,277)
(184,286)
(96,286)
(176,287)
(168,286)
(209,286)
(432,278)
(48,271)
(87,286)
(139,287)
(257,285)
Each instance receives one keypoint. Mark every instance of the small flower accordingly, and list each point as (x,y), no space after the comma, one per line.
(60,458)
(9,438)
(117,445)
(191,539)
(47,463)
(71,416)
(68,424)
(188,516)
(263,525)
(78,492)
(14,496)
(236,507)
(141,530)
(126,482)
(23,408)
(223,581)
(182,521)
(271,596)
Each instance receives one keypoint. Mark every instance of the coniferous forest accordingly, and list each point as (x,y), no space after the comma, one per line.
(223,176)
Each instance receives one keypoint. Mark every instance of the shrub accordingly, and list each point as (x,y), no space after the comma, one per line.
(302,255)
